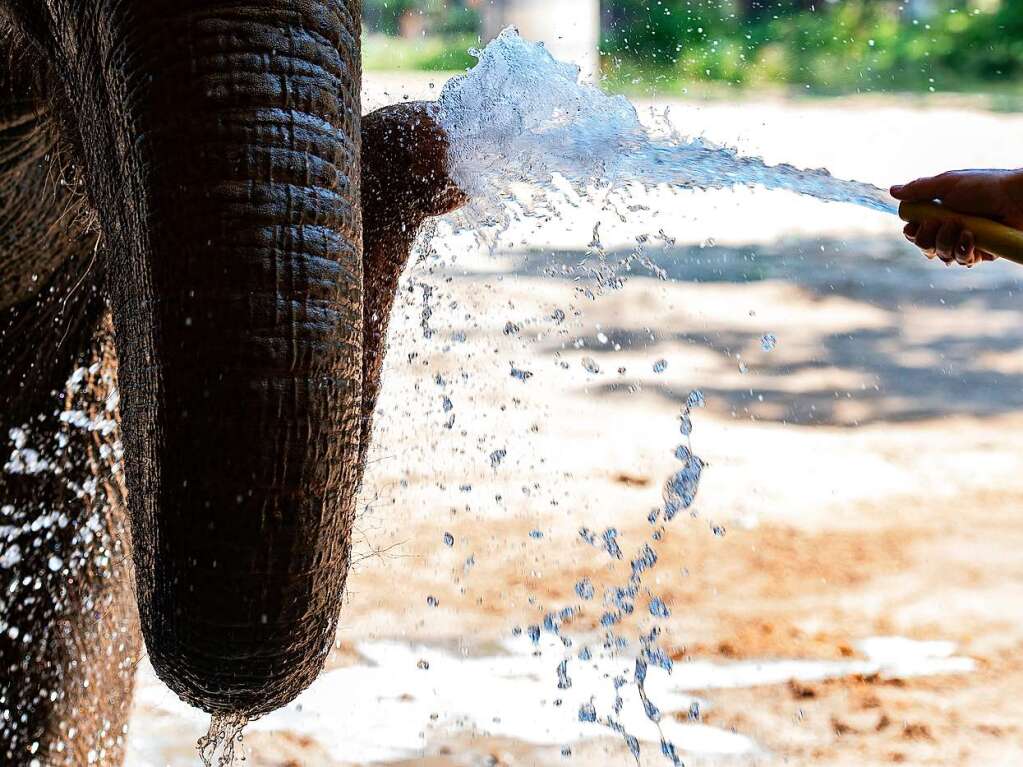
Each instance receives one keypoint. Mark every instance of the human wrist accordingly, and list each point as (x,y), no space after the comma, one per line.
(1010,190)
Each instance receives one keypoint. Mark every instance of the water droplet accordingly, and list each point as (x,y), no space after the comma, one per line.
(564,682)
(55,563)
(680,490)
(449,539)
(695,399)
(669,751)
(11,556)
(588,536)
(590,365)
(633,744)
(657,657)
(652,712)
(658,609)
(768,342)
(587,712)
(611,544)
(536,534)
(522,375)
(660,366)
(647,558)
(584,589)
(432,601)
(551,623)
(218,745)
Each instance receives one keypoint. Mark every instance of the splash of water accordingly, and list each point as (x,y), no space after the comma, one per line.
(619,606)
(525,133)
(526,136)
(217,746)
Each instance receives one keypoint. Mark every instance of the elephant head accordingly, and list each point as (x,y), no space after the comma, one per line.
(220,146)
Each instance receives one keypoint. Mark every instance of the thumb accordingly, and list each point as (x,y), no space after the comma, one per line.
(929,188)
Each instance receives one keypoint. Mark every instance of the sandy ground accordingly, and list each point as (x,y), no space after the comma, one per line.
(864,479)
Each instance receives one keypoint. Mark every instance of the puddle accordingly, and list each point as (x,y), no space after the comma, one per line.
(400,698)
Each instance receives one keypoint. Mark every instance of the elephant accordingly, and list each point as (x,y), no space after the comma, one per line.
(200,244)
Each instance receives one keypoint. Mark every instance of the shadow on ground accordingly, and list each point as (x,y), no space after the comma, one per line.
(946,345)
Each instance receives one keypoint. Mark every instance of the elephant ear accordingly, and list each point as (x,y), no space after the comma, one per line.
(49,264)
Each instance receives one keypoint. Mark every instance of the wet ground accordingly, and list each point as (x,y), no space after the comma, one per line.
(850,590)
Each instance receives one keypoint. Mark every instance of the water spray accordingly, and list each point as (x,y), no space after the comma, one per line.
(524,133)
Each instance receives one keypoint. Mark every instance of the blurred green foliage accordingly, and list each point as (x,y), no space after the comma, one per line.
(819,46)
(425,35)
(424,54)
(840,46)
(442,18)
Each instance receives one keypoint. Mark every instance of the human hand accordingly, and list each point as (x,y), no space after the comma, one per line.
(992,194)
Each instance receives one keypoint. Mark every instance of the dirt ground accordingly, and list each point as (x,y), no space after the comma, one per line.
(864,476)
(849,511)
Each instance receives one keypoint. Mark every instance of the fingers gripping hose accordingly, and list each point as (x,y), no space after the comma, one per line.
(988,235)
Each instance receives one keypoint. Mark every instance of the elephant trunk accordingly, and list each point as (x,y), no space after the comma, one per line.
(223,154)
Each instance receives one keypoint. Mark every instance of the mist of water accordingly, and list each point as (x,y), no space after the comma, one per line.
(524,133)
